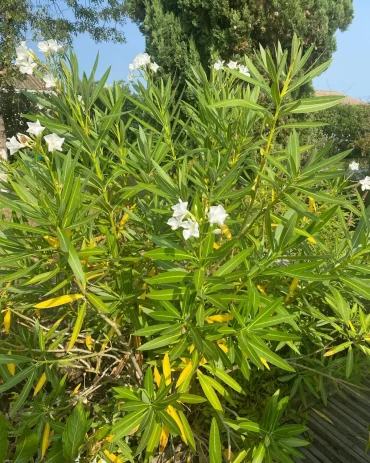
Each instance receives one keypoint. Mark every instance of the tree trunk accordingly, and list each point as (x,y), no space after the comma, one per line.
(3,151)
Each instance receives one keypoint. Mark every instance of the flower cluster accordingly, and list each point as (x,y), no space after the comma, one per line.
(53,141)
(49,46)
(216,215)
(219,65)
(49,80)
(25,59)
(142,61)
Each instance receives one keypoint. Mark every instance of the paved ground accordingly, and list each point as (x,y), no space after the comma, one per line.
(341,437)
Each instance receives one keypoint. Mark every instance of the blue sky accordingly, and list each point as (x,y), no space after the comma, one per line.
(349,73)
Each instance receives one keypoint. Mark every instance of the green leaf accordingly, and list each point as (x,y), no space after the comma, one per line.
(317,103)
(349,362)
(215,453)
(55,454)
(199,278)
(259,454)
(173,276)
(320,196)
(74,433)
(187,431)
(231,264)
(22,396)
(13,358)
(360,287)
(238,103)
(339,348)
(264,352)
(127,424)
(14,380)
(26,447)
(161,341)
(169,294)
(168,254)
(192,399)
(209,392)
(4,442)
(227,379)
(78,325)
(97,302)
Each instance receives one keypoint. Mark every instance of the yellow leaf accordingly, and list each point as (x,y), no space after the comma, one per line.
(52,241)
(226,231)
(184,374)
(152,272)
(96,275)
(89,342)
(57,301)
(75,390)
(7,320)
(157,376)
(351,326)
(123,222)
(11,368)
(191,348)
(163,439)
(265,363)
(173,413)
(109,438)
(311,204)
(223,347)
(261,289)
(219,318)
(40,383)
(112,456)
(311,240)
(272,195)
(294,284)
(45,440)
(216,246)
(166,366)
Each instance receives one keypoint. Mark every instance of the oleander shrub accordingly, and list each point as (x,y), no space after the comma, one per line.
(176,286)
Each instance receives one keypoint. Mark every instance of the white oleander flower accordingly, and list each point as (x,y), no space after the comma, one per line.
(217,231)
(219,65)
(140,61)
(154,67)
(54,142)
(23,53)
(35,128)
(180,210)
(175,222)
(49,46)
(191,228)
(354,165)
(244,70)
(43,47)
(54,46)
(232,65)
(14,145)
(365,183)
(25,66)
(49,80)
(217,214)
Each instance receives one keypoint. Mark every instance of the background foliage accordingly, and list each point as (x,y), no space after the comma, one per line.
(120,339)
(187,32)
